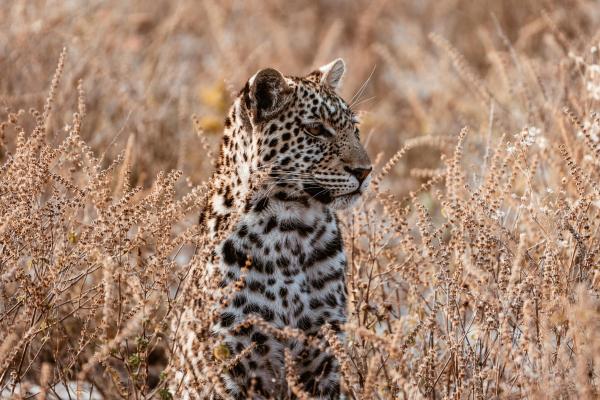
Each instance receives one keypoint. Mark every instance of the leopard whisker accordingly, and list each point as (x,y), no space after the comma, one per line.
(362,88)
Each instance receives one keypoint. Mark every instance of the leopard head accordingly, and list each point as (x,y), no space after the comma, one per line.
(306,136)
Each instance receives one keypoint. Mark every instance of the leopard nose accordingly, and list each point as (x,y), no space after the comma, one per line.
(360,173)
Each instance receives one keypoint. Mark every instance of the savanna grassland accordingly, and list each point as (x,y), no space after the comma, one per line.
(473,262)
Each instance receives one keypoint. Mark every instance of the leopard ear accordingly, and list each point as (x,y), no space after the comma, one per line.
(333,73)
(268,92)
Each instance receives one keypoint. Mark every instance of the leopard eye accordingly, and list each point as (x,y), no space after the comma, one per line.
(317,130)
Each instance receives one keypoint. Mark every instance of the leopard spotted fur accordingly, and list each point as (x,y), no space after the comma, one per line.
(304,138)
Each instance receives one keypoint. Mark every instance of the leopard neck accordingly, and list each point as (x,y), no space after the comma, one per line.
(231,184)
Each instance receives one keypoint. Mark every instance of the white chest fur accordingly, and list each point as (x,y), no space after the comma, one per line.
(296,275)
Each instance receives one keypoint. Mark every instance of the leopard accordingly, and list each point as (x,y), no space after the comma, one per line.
(303,140)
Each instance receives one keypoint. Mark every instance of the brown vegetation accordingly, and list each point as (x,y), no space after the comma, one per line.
(473,263)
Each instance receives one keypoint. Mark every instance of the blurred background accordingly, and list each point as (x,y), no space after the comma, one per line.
(158,78)
(148,67)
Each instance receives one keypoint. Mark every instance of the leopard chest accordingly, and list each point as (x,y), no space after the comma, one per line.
(296,268)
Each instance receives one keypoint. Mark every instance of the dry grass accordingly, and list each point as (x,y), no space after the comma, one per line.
(473,264)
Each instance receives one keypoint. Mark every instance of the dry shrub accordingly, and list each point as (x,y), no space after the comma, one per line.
(473,263)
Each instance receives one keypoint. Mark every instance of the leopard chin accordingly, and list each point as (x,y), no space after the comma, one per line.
(319,193)
(346,200)
(325,196)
